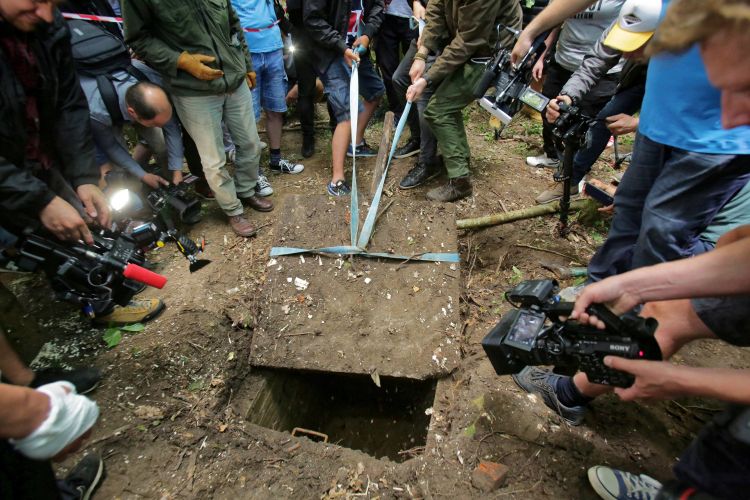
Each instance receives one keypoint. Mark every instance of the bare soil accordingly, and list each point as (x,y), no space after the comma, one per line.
(175,396)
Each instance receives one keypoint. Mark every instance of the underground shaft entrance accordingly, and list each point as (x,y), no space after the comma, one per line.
(350,409)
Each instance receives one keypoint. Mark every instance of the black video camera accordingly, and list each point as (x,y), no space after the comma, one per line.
(111,268)
(511,83)
(523,337)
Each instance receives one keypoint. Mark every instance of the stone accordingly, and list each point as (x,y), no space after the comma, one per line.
(489,476)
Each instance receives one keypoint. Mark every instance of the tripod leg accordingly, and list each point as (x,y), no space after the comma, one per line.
(571,149)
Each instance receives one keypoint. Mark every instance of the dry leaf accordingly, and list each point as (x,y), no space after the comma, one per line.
(223,427)
(416,289)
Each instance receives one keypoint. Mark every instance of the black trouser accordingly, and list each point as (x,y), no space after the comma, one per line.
(24,479)
(591,104)
(394,34)
(306,87)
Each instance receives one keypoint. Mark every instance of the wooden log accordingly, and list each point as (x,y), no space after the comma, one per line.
(385,149)
(524,213)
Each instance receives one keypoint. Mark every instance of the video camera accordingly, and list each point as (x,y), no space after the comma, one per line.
(511,83)
(523,337)
(111,268)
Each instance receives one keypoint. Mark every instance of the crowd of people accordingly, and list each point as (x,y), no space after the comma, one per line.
(191,79)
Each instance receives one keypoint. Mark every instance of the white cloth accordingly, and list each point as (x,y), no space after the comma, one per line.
(70,415)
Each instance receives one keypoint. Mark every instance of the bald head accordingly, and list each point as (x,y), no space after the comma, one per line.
(148,104)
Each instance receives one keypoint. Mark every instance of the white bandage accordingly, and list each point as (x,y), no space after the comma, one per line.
(70,415)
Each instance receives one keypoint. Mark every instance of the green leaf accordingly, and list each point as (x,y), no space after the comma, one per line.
(518,273)
(470,430)
(112,337)
(141,428)
(137,327)
(579,281)
(497,310)
(196,385)
(530,3)
(596,237)
(156,422)
(134,351)
(411,242)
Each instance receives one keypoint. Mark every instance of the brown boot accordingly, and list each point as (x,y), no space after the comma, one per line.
(258,203)
(241,226)
(454,189)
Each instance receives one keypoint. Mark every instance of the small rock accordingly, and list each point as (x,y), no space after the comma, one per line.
(489,476)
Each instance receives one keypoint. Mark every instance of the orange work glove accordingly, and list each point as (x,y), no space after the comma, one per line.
(251,80)
(193,64)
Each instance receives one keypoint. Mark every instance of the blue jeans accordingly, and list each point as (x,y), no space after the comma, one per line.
(336,81)
(270,89)
(627,101)
(663,204)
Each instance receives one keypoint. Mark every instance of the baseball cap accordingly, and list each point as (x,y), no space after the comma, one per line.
(636,23)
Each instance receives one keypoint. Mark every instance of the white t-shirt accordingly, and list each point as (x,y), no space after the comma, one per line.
(580,33)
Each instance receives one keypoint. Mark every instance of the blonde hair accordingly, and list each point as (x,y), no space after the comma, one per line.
(687,22)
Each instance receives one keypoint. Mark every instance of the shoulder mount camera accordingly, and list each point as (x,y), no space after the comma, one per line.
(524,337)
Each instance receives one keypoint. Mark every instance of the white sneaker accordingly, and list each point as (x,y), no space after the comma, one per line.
(613,484)
(287,167)
(542,161)
(263,187)
(263,145)
(569,294)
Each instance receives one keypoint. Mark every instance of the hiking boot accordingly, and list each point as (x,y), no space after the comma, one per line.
(241,226)
(308,146)
(410,149)
(286,167)
(543,382)
(202,190)
(84,379)
(263,187)
(339,188)
(418,175)
(257,203)
(85,477)
(555,192)
(137,311)
(454,189)
(542,161)
(612,484)
(363,150)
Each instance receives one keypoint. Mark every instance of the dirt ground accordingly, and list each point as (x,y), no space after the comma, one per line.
(175,396)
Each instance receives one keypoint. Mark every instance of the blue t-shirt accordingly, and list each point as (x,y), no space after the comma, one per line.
(259,14)
(682,109)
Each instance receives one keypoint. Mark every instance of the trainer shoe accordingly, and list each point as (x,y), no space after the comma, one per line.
(202,190)
(137,311)
(286,167)
(308,146)
(231,155)
(263,145)
(624,158)
(453,190)
(85,477)
(410,149)
(618,178)
(420,174)
(542,381)
(84,379)
(263,187)
(363,150)
(612,484)
(542,161)
(555,192)
(339,188)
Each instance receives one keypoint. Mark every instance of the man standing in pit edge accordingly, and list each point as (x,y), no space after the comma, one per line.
(200,50)
(464,29)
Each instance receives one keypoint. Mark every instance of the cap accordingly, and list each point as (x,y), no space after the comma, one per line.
(636,23)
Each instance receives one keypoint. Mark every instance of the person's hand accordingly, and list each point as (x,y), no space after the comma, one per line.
(522,46)
(65,222)
(194,64)
(95,204)
(251,78)
(417,70)
(609,292)
(622,124)
(176,176)
(415,90)
(553,109)
(538,69)
(419,10)
(607,188)
(292,95)
(364,41)
(350,56)
(654,380)
(154,181)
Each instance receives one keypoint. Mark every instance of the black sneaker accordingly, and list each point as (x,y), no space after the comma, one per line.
(308,146)
(286,167)
(85,477)
(418,175)
(410,149)
(84,379)
(543,382)
(340,188)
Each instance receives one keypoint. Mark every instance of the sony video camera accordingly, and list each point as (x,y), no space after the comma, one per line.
(510,83)
(524,337)
(111,268)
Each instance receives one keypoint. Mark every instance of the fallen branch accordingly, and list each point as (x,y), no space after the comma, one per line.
(573,259)
(302,333)
(407,260)
(523,213)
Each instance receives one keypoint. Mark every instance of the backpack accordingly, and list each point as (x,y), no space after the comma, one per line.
(98,54)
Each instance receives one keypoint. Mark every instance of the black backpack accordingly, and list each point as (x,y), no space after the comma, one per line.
(98,54)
